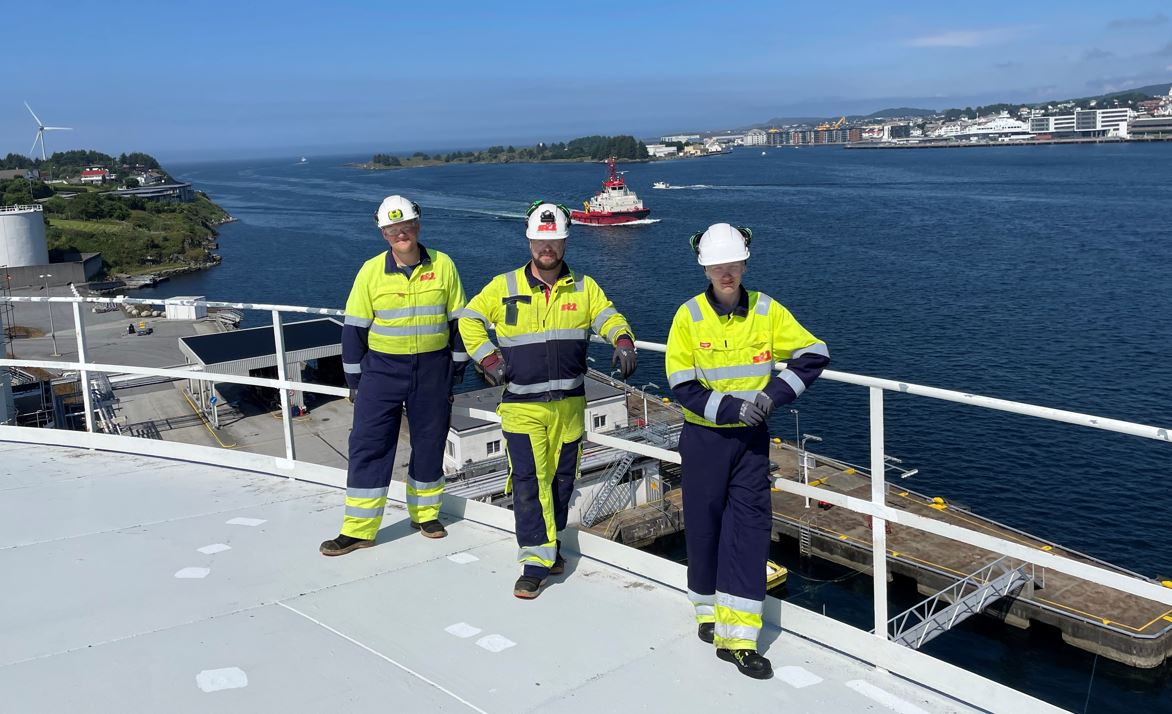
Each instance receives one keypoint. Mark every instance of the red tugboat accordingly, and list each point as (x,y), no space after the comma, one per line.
(613,205)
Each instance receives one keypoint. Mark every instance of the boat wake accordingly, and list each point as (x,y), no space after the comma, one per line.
(640,222)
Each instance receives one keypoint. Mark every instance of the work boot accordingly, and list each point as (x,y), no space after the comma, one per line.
(706,631)
(559,563)
(748,662)
(343,544)
(527,587)
(430,529)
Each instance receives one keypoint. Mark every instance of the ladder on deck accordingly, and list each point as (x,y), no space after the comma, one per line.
(611,497)
(956,603)
(805,548)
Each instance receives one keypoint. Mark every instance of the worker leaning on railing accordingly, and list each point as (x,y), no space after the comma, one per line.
(400,346)
(719,361)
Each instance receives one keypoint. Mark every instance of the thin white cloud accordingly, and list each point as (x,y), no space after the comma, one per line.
(1095,53)
(1126,23)
(966,38)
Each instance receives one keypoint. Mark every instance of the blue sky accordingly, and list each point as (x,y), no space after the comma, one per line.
(258,78)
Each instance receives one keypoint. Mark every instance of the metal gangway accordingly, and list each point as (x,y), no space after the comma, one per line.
(966,597)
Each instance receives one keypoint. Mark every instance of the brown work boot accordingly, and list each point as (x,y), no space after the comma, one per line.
(430,529)
(559,563)
(527,587)
(748,662)
(343,544)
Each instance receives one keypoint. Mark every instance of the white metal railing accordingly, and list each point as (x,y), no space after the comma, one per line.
(876,507)
(15,208)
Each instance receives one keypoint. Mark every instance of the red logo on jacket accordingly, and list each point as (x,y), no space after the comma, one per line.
(763,357)
(569,307)
(705,345)
(427,276)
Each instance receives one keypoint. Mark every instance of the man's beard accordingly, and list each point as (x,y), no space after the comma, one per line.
(547,262)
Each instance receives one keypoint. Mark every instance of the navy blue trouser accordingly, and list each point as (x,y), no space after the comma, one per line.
(727,525)
(421,383)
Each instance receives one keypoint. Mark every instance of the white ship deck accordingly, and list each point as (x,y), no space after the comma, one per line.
(115,602)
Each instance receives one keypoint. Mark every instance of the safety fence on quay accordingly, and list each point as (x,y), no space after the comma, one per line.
(876,507)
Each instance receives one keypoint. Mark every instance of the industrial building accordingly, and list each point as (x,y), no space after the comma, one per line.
(253,352)
(25,260)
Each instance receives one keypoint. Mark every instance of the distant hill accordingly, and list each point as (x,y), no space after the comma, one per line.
(896,112)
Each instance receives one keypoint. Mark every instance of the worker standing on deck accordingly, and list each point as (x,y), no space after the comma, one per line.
(400,347)
(543,313)
(720,355)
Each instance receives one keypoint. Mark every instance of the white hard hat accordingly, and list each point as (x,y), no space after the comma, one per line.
(722,243)
(396,209)
(547,221)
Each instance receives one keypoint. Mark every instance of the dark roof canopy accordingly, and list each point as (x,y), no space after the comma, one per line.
(258,341)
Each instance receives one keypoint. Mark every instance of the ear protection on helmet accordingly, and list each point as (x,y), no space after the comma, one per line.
(414,205)
(533,207)
(746,233)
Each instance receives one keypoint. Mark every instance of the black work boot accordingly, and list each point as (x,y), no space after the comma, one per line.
(706,631)
(430,529)
(748,662)
(559,563)
(343,544)
(527,587)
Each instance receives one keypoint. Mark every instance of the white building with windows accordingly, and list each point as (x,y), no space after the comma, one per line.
(1106,122)
(472,440)
(756,137)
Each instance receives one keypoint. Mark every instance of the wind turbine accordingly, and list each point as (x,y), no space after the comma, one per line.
(41,129)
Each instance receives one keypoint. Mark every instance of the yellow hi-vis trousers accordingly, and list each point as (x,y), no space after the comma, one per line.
(544,444)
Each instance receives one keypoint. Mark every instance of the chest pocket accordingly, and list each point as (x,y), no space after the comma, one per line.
(738,354)
(514,305)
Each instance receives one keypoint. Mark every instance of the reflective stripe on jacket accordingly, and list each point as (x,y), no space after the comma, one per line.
(714,359)
(389,313)
(543,339)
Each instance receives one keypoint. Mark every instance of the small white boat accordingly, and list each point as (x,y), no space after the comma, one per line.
(303,160)
(762,153)
(660,184)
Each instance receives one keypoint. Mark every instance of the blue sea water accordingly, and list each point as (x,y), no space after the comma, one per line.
(1037,274)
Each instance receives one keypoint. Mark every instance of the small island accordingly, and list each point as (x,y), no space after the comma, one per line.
(586,148)
(127,208)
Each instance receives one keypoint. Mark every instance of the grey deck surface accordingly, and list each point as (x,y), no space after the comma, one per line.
(94,618)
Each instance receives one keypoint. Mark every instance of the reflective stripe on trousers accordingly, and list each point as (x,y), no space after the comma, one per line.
(544,447)
(389,382)
(728,512)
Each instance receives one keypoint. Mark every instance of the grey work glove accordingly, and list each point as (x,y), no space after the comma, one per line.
(494,369)
(625,357)
(765,403)
(750,414)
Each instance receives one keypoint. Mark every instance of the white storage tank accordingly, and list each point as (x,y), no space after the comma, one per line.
(22,237)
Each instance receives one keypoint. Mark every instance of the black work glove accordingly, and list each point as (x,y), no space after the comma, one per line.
(353,396)
(765,403)
(750,414)
(625,357)
(458,372)
(494,369)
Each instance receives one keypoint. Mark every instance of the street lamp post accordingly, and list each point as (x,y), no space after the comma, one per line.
(806,459)
(52,329)
(644,389)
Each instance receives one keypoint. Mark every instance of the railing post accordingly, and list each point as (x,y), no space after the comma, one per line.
(286,418)
(83,357)
(878,525)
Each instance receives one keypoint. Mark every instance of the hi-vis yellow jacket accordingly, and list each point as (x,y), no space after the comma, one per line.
(716,357)
(543,335)
(390,314)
